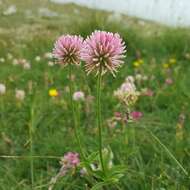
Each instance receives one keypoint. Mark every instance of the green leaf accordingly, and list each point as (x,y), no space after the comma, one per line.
(100,184)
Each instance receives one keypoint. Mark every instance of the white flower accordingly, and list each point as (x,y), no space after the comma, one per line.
(50,63)
(48,55)
(145,78)
(78,96)
(2,89)
(15,62)
(10,10)
(130,79)
(9,56)
(37,58)
(138,77)
(2,60)
(20,95)
(127,93)
(26,66)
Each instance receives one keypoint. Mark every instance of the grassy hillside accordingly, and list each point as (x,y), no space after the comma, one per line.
(155,149)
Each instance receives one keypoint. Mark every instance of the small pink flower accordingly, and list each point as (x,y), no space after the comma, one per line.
(70,160)
(147,92)
(136,115)
(77,96)
(169,81)
(118,114)
(102,52)
(67,49)
(128,87)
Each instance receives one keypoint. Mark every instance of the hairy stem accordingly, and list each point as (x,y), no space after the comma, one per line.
(31,148)
(98,107)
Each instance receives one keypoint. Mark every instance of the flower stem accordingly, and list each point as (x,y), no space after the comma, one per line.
(31,148)
(98,107)
(76,131)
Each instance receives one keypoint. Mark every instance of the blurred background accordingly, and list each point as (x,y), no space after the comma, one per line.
(170,12)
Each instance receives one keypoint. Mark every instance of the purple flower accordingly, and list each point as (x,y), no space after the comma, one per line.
(68,163)
(136,115)
(102,52)
(70,160)
(169,81)
(147,92)
(67,49)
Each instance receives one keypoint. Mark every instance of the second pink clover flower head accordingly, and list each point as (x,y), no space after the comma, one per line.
(102,52)
(67,49)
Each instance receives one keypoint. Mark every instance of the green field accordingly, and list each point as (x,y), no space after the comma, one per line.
(38,130)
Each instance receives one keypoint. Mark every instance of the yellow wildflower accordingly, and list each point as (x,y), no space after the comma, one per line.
(136,64)
(141,61)
(53,93)
(166,65)
(172,61)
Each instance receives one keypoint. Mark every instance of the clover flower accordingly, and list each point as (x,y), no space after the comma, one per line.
(102,52)
(70,160)
(169,81)
(79,95)
(136,115)
(127,93)
(20,95)
(50,63)
(26,66)
(130,79)
(147,92)
(48,55)
(37,58)
(68,163)
(2,89)
(67,49)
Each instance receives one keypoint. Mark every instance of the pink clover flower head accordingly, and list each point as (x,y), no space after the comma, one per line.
(147,92)
(136,115)
(68,163)
(70,160)
(78,96)
(128,87)
(67,49)
(118,114)
(102,52)
(169,81)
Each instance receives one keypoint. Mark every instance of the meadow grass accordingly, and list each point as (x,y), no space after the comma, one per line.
(156,149)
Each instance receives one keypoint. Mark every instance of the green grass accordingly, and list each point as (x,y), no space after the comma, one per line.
(149,166)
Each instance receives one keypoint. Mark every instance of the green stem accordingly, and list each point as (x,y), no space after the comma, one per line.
(2,117)
(31,148)
(76,132)
(169,153)
(98,107)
